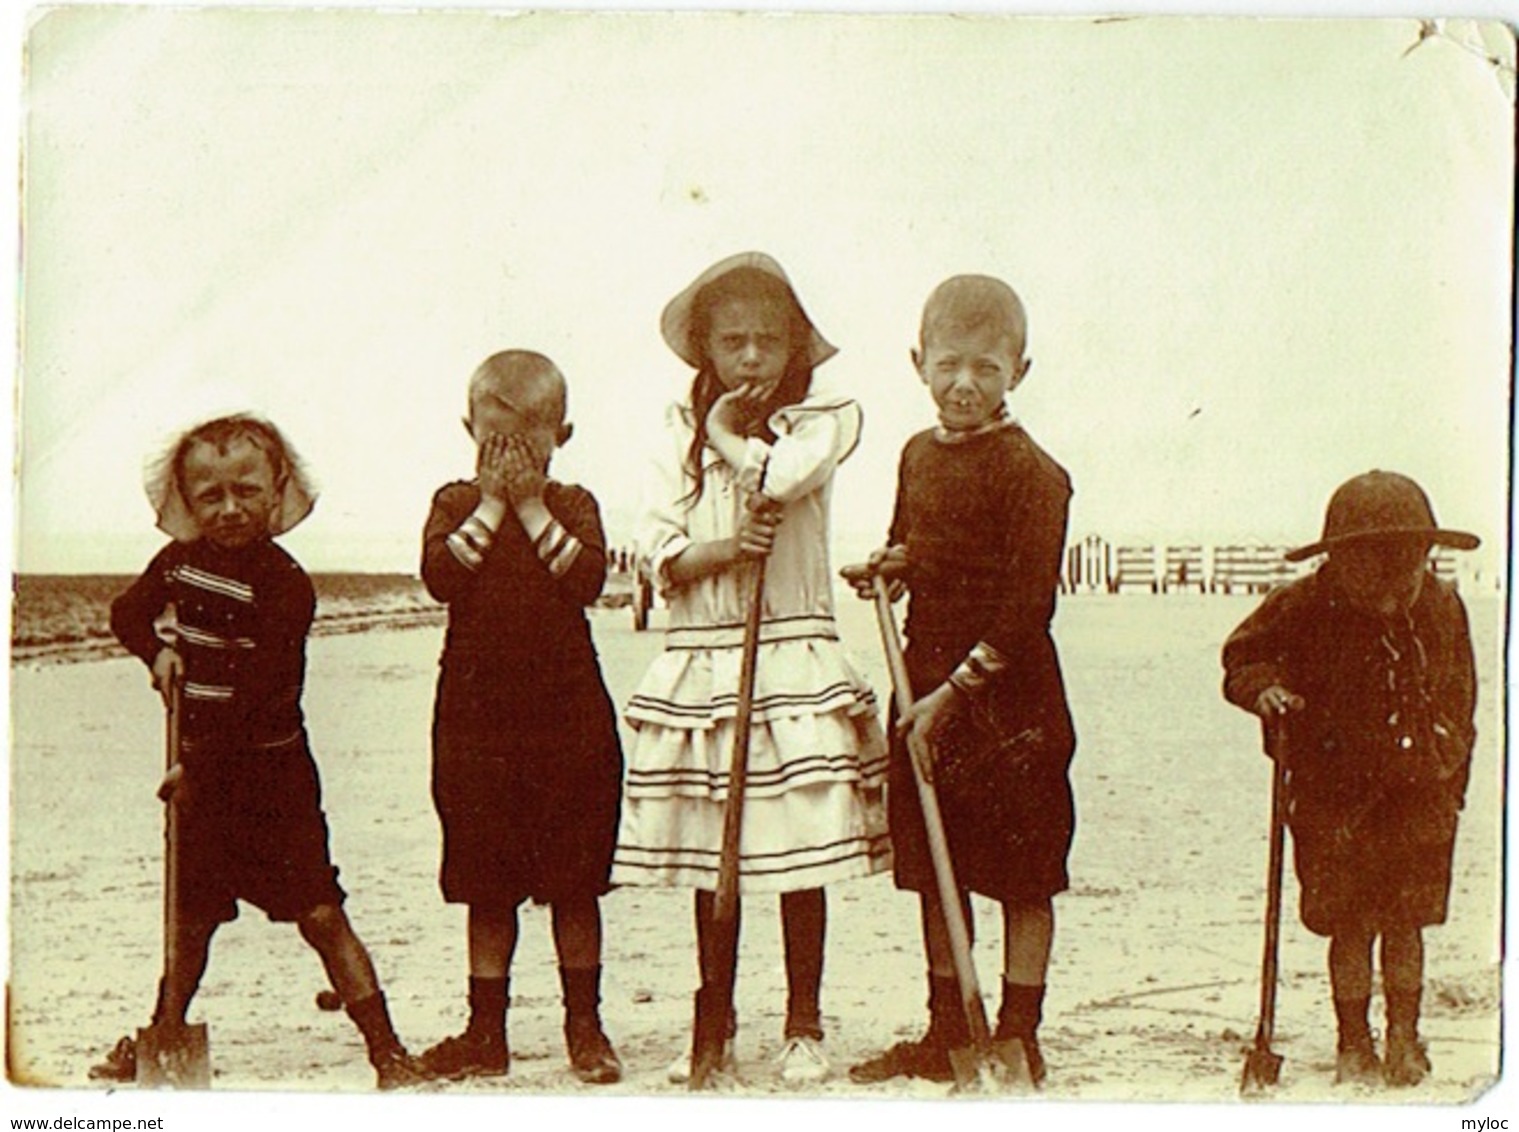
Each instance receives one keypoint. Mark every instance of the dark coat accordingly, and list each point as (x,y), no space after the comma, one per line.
(1379,756)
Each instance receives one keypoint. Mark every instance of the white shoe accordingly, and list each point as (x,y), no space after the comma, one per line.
(679,1072)
(803,1062)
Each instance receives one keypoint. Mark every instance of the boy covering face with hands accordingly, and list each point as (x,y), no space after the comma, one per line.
(527,767)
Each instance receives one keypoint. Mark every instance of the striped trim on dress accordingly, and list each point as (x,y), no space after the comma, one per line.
(647,708)
(731,636)
(795,772)
(691,859)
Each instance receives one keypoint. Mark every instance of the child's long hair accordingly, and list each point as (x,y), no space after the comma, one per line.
(706,388)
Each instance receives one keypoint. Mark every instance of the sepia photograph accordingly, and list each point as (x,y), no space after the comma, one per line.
(593,558)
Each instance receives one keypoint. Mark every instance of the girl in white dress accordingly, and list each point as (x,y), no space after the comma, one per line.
(746,476)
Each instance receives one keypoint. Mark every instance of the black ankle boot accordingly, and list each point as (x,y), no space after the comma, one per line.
(1018,1020)
(1355,1055)
(928,1057)
(394,1067)
(592,1058)
(1407,1058)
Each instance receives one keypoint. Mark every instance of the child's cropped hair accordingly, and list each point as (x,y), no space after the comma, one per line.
(975,302)
(513,367)
(164,479)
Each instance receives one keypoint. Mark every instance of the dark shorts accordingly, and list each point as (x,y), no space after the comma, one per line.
(251,828)
(1004,793)
(525,819)
(1011,847)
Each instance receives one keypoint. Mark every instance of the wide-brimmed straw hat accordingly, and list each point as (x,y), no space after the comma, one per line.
(1381,505)
(675,323)
(297,494)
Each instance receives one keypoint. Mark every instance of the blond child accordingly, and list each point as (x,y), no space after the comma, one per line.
(977,539)
(245,788)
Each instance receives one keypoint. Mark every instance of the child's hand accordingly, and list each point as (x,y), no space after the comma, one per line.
(921,724)
(524,467)
(1276,701)
(172,788)
(738,410)
(490,468)
(889,562)
(757,527)
(168,670)
(860,578)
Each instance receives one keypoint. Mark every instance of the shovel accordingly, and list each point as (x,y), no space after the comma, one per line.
(1263,1066)
(173,1055)
(715,1004)
(982,1063)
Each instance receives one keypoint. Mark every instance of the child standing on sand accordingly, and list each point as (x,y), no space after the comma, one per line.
(746,476)
(1368,664)
(977,537)
(247,798)
(527,765)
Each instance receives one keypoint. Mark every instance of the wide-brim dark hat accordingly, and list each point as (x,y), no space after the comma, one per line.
(675,322)
(1379,506)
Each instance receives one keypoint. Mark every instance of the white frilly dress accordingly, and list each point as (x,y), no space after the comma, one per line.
(813,811)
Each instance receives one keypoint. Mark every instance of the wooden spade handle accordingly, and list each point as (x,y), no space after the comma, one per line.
(171,835)
(933,822)
(726,904)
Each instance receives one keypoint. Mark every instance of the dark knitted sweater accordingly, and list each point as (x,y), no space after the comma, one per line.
(242,618)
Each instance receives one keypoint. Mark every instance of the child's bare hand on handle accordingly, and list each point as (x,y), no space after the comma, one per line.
(172,787)
(168,670)
(1276,701)
(921,724)
(757,527)
(888,562)
(752,541)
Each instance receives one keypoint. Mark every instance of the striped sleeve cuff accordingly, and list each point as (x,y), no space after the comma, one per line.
(975,670)
(557,548)
(470,542)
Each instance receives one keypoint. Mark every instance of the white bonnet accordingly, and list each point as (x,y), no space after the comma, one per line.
(297,493)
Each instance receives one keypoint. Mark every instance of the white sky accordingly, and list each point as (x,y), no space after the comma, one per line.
(1259,257)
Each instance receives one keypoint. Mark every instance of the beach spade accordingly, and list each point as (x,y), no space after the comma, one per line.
(1263,1065)
(983,1064)
(173,1055)
(714,1002)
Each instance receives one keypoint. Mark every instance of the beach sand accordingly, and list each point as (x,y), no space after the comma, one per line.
(1153,988)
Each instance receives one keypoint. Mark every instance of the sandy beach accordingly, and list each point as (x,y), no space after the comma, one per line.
(1154,983)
